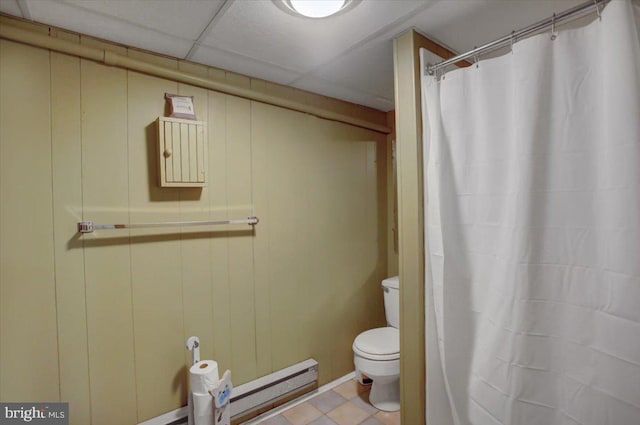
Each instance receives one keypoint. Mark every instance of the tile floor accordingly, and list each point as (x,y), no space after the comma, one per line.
(346,404)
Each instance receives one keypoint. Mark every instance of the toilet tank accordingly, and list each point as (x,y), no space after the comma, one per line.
(391,288)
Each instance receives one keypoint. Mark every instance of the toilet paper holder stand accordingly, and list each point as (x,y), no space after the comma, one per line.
(193,345)
(220,394)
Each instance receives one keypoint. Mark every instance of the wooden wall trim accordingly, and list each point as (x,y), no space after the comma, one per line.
(411,229)
(440,51)
(112,58)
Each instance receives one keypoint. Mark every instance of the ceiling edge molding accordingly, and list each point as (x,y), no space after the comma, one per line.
(111,58)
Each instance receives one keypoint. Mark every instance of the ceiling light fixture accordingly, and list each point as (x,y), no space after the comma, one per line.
(316,8)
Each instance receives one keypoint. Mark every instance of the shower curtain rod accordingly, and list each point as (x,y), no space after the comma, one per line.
(550,22)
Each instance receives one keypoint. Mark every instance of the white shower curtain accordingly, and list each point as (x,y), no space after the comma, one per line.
(533,231)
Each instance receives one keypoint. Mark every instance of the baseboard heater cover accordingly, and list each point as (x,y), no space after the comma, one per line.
(252,396)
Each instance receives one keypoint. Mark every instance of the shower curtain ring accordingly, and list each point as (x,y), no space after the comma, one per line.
(553,27)
(597,9)
(475,58)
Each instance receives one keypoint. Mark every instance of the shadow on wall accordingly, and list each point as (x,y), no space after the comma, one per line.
(179,384)
(77,241)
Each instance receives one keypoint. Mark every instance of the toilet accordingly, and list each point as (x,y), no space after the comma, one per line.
(376,353)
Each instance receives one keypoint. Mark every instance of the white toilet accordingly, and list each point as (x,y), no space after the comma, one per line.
(377,353)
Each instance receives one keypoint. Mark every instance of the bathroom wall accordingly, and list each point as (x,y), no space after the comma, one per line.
(100,320)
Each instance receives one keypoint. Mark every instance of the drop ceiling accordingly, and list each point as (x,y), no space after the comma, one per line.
(348,56)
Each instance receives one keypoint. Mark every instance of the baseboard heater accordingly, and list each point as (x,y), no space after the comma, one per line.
(251,397)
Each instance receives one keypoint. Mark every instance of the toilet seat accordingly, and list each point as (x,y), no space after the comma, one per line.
(378,344)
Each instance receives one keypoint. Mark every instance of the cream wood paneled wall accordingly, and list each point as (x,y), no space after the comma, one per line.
(100,320)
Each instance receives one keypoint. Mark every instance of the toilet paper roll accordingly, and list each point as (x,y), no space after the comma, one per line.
(203,376)
(202,409)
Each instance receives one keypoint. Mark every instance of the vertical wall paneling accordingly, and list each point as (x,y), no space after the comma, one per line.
(112,309)
(105,190)
(67,210)
(321,234)
(260,167)
(219,256)
(301,221)
(376,229)
(195,251)
(350,168)
(28,341)
(240,246)
(392,199)
(324,287)
(317,280)
(278,131)
(155,267)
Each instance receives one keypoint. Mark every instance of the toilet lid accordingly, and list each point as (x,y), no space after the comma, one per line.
(378,343)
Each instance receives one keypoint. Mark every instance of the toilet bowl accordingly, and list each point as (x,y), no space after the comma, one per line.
(376,353)
(377,356)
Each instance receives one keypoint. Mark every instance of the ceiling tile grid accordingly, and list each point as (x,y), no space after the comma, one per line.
(184,19)
(367,69)
(338,91)
(246,65)
(10,7)
(462,25)
(85,21)
(348,56)
(261,30)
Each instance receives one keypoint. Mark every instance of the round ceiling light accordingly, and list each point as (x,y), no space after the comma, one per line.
(316,8)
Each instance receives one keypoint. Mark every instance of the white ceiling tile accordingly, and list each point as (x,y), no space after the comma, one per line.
(331,89)
(379,104)
(262,30)
(10,7)
(463,24)
(369,69)
(86,22)
(243,65)
(180,18)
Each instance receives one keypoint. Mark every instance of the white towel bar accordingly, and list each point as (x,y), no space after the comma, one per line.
(89,226)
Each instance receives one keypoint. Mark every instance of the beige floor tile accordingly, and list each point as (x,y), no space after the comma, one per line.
(348,414)
(389,418)
(362,401)
(350,389)
(302,414)
(276,420)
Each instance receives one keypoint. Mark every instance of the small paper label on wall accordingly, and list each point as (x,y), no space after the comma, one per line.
(182,105)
